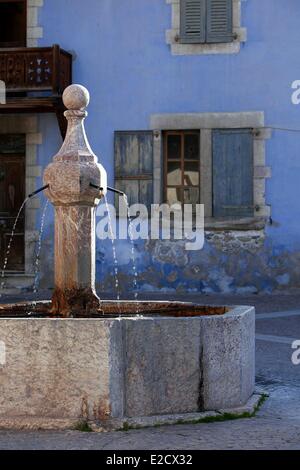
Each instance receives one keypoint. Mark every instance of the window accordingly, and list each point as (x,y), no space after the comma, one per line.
(231,172)
(215,159)
(206,21)
(182,167)
(13,21)
(134,165)
(206,27)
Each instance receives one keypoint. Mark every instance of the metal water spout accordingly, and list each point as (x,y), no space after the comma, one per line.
(69,179)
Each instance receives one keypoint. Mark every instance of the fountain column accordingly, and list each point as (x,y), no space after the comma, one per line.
(69,177)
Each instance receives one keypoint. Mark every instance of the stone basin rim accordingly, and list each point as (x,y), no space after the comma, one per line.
(229,311)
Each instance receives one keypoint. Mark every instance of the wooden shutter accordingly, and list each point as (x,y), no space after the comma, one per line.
(192,21)
(233,173)
(134,165)
(219,21)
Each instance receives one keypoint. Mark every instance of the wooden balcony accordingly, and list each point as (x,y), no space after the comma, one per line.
(35,79)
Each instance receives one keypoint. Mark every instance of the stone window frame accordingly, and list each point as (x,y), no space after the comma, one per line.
(206,123)
(177,48)
(28,125)
(34,31)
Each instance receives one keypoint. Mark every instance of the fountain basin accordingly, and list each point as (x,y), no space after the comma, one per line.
(55,372)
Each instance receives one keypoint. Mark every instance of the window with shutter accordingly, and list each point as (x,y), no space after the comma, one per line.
(219,21)
(193,19)
(233,173)
(134,165)
(206,21)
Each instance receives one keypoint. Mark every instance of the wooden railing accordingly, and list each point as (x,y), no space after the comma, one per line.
(37,69)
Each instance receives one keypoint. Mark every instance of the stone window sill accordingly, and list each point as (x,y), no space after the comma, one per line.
(221,224)
(179,48)
(243,224)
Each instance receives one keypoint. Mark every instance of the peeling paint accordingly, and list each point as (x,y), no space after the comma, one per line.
(231,261)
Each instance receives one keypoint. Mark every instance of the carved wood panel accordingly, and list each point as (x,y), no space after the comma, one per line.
(35,69)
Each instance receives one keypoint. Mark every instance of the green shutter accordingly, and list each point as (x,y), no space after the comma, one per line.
(134,165)
(219,21)
(192,21)
(233,173)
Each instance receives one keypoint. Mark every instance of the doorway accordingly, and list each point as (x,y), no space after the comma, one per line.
(13,23)
(12,194)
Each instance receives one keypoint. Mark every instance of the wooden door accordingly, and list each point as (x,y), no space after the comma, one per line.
(12,194)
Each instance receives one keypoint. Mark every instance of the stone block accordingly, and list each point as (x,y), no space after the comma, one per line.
(55,369)
(35,32)
(228,359)
(262,172)
(32,17)
(35,3)
(162,373)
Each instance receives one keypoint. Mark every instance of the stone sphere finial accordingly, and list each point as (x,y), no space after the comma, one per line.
(76,97)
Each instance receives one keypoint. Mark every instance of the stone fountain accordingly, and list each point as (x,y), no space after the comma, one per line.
(68,179)
(76,359)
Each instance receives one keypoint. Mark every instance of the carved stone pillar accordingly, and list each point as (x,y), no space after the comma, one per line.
(69,177)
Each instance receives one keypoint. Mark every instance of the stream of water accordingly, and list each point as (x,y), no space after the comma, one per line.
(133,255)
(38,253)
(116,264)
(2,285)
(39,247)
(37,259)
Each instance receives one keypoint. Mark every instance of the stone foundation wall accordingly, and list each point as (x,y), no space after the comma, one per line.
(230,262)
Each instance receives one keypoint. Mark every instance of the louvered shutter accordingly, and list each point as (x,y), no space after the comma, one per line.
(134,165)
(192,21)
(233,173)
(219,21)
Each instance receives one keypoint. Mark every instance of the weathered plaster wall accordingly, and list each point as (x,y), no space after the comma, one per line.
(240,262)
(123,58)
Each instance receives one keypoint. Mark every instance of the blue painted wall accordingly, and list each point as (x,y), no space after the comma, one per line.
(123,59)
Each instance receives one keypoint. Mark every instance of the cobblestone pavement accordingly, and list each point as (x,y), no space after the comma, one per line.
(276,426)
